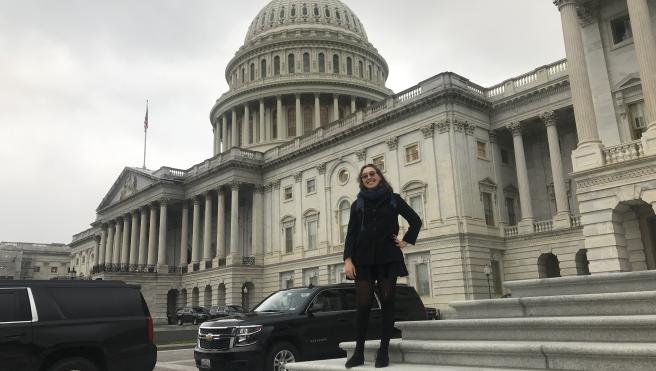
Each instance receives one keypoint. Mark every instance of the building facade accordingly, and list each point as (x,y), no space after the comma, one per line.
(551,173)
(34,261)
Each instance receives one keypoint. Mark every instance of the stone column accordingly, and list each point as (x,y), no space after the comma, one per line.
(261,137)
(433,212)
(501,199)
(161,253)
(335,107)
(279,131)
(184,233)
(152,238)
(125,243)
(526,224)
(116,254)
(220,224)
(235,252)
(103,247)
(224,131)
(588,153)
(645,49)
(561,219)
(258,224)
(299,117)
(195,226)
(352,104)
(143,235)
(317,111)
(235,130)
(246,126)
(207,230)
(134,248)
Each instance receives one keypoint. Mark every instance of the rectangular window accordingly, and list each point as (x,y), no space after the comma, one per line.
(288,193)
(311,276)
(487,208)
(37,269)
(504,157)
(286,280)
(481,148)
(510,206)
(379,161)
(53,269)
(312,227)
(417,204)
(621,28)
(289,239)
(637,118)
(412,153)
(310,186)
(422,279)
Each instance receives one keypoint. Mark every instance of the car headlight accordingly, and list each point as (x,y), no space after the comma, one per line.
(245,335)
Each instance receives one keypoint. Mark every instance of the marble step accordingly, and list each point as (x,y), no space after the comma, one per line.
(641,328)
(580,356)
(606,304)
(338,364)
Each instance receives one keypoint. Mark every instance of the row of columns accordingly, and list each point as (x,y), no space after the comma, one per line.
(562,218)
(227,126)
(121,248)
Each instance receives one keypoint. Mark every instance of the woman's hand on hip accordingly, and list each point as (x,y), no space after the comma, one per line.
(349,269)
(400,243)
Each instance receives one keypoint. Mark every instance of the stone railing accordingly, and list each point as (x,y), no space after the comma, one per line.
(84,234)
(510,231)
(623,152)
(575,220)
(536,77)
(248,260)
(543,226)
(233,154)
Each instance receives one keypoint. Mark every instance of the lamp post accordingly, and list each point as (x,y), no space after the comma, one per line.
(488,270)
(244,294)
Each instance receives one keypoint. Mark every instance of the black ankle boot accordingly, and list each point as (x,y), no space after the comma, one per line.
(357,359)
(382,358)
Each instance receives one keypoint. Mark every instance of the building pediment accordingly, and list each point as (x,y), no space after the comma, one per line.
(130,182)
(629,81)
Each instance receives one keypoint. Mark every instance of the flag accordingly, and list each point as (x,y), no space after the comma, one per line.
(146,118)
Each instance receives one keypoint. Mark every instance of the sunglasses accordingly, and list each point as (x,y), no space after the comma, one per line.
(370,174)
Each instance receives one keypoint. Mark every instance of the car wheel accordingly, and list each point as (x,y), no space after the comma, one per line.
(279,355)
(73,364)
(180,322)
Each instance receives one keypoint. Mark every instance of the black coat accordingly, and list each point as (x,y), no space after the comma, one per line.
(369,238)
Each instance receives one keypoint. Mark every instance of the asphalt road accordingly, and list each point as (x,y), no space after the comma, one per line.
(176,360)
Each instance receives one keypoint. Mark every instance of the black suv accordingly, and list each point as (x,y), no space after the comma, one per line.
(74,325)
(224,311)
(305,323)
(194,315)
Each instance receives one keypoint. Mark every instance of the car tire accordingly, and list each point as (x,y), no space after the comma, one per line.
(180,322)
(279,355)
(74,364)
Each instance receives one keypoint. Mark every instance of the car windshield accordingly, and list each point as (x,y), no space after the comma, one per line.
(284,301)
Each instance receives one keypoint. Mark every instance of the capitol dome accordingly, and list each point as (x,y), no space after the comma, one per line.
(304,65)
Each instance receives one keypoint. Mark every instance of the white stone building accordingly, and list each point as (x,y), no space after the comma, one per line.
(33,261)
(546,174)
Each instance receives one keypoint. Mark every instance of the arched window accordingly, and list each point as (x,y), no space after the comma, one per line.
(349,66)
(252,72)
(344,214)
(262,20)
(322,63)
(327,12)
(305,12)
(306,62)
(243,75)
(335,63)
(282,14)
(290,63)
(307,120)
(582,263)
(548,266)
(316,10)
(339,17)
(370,75)
(274,124)
(263,68)
(361,69)
(291,122)
(271,16)
(276,65)
(293,11)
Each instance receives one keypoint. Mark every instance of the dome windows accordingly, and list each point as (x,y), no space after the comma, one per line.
(276,65)
(263,66)
(305,11)
(290,63)
(293,11)
(335,63)
(281,17)
(349,66)
(339,17)
(306,62)
(327,12)
(316,10)
(322,63)
(252,72)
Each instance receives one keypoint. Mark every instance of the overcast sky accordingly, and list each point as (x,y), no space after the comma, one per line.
(75,76)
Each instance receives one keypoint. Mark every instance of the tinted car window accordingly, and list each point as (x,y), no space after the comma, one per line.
(348,299)
(328,301)
(88,302)
(14,306)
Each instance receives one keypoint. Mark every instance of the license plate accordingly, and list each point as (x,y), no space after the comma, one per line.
(205,363)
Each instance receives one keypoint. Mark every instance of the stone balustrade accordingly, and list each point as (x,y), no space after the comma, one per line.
(575,221)
(543,226)
(539,76)
(623,152)
(510,231)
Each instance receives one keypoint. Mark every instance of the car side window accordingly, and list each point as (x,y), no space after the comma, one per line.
(348,298)
(14,306)
(328,301)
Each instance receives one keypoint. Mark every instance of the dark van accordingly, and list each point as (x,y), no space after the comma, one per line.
(298,324)
(74,325)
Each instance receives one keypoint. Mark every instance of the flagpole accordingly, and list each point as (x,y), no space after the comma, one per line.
(145,134)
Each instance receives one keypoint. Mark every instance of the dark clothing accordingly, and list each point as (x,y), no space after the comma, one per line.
(379,272)
(369,237)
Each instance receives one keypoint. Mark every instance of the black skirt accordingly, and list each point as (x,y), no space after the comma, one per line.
(378,272)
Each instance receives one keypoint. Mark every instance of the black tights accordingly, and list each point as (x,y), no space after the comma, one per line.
(365,291)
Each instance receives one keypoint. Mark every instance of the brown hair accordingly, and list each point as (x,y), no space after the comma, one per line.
(383,181)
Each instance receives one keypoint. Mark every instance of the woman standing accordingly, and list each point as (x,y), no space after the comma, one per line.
(373,257)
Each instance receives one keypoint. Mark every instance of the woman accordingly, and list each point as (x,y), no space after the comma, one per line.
(373,257)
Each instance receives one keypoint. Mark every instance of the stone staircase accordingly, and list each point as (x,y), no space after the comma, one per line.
(594,323)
